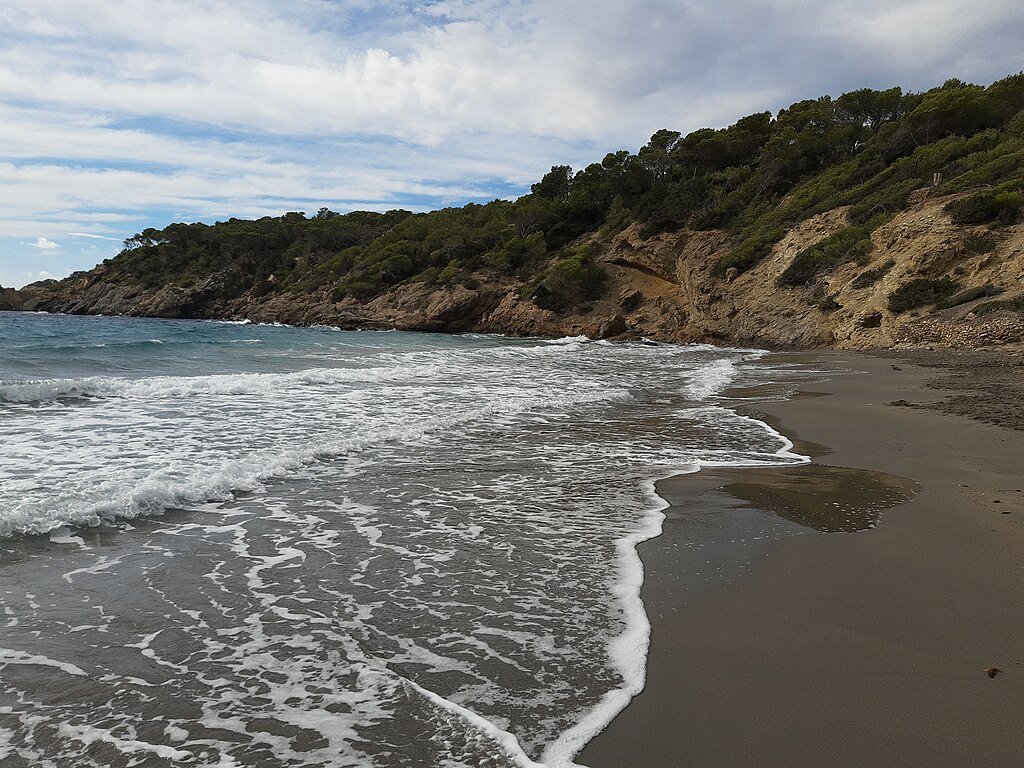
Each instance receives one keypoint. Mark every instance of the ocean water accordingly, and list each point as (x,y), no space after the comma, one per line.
(235,545)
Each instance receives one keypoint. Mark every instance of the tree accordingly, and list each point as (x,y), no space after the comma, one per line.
(555,184)
(530,214)
(872,108)
(656,157)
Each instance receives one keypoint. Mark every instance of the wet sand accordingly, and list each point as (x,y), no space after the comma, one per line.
(784,645)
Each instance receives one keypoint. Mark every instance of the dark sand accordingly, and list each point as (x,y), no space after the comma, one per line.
(862,648)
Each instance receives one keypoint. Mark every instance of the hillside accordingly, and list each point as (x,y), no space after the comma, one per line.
(875,219)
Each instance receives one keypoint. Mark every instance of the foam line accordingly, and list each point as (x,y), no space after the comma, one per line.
(187,386)
(507,741)
(10,656)
(153,495)
(88,735)
(709,380)
(628,651)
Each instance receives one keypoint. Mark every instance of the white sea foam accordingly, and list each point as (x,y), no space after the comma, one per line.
(628,650)
(87,735)
(11,656)
(509,743)
(782,455)
(184,386)
(63,535)
(710,379)
(6,748)
(152,492)
(568,340)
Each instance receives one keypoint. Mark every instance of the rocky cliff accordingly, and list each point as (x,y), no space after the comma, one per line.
(663,287)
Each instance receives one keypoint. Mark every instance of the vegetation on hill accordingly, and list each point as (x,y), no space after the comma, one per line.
(866,149)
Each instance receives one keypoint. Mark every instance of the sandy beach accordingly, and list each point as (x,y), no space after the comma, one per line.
(851,647)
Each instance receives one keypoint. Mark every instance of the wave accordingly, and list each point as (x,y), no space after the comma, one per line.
(567,340)
(627,651)
(712,378)
(165,490)
(128,345)
(709,380)
(401,366)
(156,387)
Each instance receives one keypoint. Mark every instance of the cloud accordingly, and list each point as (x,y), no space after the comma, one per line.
(559,67)
(119,114)
(44,245)
(93,236)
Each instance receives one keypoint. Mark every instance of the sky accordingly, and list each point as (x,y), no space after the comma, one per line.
(120,115)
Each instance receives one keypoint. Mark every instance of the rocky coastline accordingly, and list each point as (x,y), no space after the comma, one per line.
(662,287)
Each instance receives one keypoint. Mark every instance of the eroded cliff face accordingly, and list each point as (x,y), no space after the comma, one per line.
(688,302)
(663,288)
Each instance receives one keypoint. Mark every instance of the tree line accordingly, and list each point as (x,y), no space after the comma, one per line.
(867,149)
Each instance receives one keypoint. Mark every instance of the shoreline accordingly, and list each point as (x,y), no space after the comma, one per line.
(842,649)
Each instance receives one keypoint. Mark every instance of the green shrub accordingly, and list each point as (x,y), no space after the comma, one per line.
(569,282)
(1014,305)
(872,276)
(975,243)
(887,200)
(971,294)
(430,275)
(827,254)
(1008,205)
(451,272)
(359,289)
(848,244)
(750,251)
(921,292)
(982,207)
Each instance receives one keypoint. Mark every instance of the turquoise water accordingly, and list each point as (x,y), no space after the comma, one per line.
(241,545)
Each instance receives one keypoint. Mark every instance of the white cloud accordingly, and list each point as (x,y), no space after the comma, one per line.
(92,236)
(44,245)
(557,68)
(114,110)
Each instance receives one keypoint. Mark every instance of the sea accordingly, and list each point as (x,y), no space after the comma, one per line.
(225,544)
